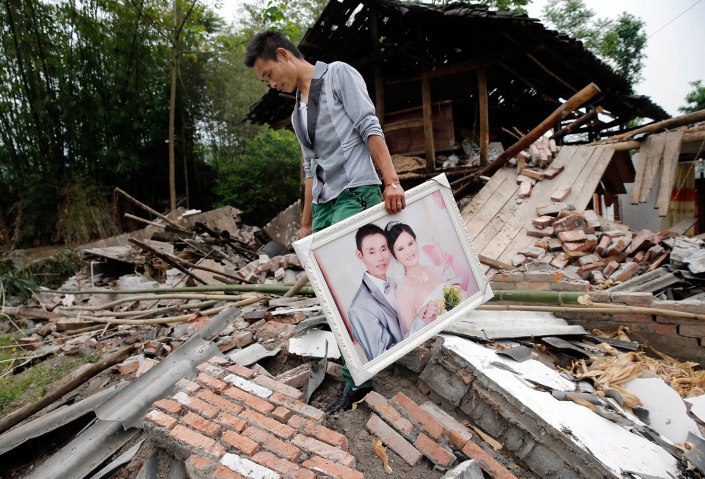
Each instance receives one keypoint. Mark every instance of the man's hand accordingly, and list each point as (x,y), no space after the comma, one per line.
(304,231)
(429,312)
(394,197)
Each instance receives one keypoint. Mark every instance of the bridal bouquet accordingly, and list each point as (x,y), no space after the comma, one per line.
(451,294)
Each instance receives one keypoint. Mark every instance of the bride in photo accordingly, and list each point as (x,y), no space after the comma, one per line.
(422,295)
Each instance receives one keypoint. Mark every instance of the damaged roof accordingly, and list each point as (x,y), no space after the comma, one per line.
(529,67)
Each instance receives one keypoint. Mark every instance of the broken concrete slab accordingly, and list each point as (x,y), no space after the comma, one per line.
(511,324)
(313,345)
(554,438)
(251,354)
(667,412)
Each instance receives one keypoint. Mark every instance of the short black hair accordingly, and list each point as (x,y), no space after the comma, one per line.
(264,45)
(393,230)
(367,230)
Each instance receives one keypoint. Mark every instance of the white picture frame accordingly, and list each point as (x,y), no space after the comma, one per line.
(335,269)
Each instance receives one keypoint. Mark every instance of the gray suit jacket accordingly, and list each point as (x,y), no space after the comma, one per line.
(375,323)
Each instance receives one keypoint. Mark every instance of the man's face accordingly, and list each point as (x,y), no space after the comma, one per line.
(374,255)
(279,74)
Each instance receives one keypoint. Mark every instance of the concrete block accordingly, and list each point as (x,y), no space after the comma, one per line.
(465,470)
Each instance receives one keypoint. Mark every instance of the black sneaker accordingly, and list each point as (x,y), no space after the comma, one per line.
(347,398)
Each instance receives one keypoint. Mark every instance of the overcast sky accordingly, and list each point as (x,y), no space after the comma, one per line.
(675,48)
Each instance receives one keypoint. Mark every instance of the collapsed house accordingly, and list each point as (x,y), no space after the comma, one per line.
(230,380)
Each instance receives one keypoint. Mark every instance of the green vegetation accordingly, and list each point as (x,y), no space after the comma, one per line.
(13,285)
(32,383)
(619,43)
(695,100)
(264,179)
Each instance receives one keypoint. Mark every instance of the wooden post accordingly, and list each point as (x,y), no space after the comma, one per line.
(573,126)
(571,104)
(693,117)
(379,80)
(484,116)
(428,123)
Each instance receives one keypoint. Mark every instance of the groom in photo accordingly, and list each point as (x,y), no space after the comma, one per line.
(373,311)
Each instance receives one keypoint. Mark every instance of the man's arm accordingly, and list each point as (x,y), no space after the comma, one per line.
(306,212)
(393,193)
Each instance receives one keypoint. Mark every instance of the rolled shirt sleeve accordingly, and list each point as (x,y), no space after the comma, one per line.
(349,87)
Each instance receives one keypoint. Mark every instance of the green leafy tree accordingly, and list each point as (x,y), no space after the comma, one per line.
(264,179)
(620,43)
(695,99)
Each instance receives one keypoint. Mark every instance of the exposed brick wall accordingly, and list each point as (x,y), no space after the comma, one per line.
(414,432)
(681,338)
(230,423)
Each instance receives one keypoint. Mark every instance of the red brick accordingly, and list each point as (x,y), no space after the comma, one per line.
(243,444)
(537,175)
(393,440)
(625,272)
(494,469)
(170,406)
(298,407)
(275,427)
(241,371)
(572,236)
(287,468)
(380,405)
(218,361)
(231,422)
(321,433)
(559,263)
(197,441)
(160,419)
(435,452)
(610,268)
(692,330)
(573,221)
(525,189)
(214,371)
(224,472)
(187,386)
(645,327)
(201,464)
(331,469)
(247,399)
(458,433)
(276,386)
(281,448)
(585,270)
(201,407)
(641,242)
(219,401)
(212,383)
(296,377)
(281,414)
(535,286)
(560,193)
(413,411)
(551,172)
(543,221)
(320,448)
(465,375)
(198,423)
(617,246)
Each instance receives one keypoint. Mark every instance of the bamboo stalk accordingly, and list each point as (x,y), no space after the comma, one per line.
(545,297)
(173,319)
(221,297)
(257,288)
(152,312)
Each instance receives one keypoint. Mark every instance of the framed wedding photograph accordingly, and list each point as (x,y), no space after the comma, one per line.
(389,282)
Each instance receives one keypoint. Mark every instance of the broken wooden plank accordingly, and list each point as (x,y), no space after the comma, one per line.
(671,152)
(647,167)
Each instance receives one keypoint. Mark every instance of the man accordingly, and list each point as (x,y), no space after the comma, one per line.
(335,123)
(373,313)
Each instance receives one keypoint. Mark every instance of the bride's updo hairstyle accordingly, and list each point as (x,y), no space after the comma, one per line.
(393,230)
